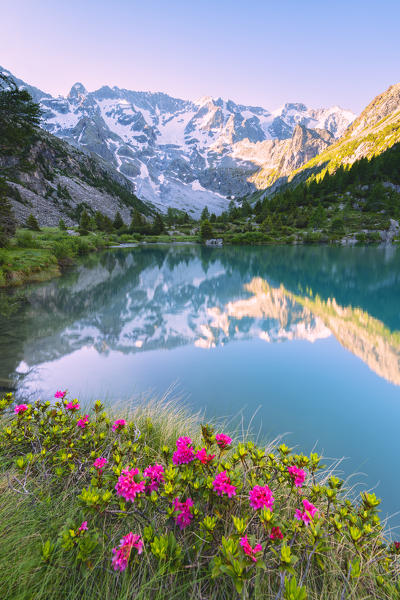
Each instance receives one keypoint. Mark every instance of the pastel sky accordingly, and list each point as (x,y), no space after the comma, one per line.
(257,52)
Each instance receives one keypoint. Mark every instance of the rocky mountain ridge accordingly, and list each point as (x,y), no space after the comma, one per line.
(375,130)
(183,153)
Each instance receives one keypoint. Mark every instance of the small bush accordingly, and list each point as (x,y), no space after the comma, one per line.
(126,238)
(361,237)
(82,246)
(25,239)
(63,250)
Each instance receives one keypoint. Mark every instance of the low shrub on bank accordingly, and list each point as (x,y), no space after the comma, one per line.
(250,238)
(25,239)
(146,507)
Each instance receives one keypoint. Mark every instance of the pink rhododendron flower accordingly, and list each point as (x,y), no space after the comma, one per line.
(223,441)
(119,424)
(276,534)
(123,552)
(73,405)
(60,394)
(83,527)
(183,441)
(222,485)
(204,457)
(156,475)
(100,463)
(298,475)
(261,496)
(20,408)
(83,422)
(309,511)
(248,550)
(184,453)
(127,486)
(396,546)
(184,515)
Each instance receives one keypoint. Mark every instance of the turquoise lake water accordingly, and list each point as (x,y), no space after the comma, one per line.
(305,340)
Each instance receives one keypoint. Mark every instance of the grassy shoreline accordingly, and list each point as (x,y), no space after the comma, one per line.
(39,256)
(50,488)
(22,267)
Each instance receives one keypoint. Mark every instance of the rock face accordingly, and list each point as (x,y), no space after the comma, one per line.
(53,180)
(283,156)
(384,105)
(374,131)
(182,153)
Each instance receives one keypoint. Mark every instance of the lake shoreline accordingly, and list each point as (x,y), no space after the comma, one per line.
(33,257)
(42,265)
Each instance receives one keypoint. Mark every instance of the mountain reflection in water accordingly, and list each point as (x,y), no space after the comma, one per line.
(141,299)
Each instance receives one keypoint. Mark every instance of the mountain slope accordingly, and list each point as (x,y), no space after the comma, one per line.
(281,157)
(53,180)
(374,131)
(182,153)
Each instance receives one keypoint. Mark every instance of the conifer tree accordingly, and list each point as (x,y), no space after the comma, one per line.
(137,223)
(205,214)
(19,115)
(246,208)
(32,223)
(118,222)
(206,230)
(170,216)
(99,220)
(84,223)
(107,224)
(158,225)
(7,221)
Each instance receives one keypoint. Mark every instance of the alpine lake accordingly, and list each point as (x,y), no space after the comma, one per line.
(299,342)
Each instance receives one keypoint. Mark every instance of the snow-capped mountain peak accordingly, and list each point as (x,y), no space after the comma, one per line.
(78,90)
(179,152)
